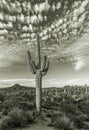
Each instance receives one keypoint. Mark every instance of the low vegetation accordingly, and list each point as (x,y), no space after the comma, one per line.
(17,118)
(64,111)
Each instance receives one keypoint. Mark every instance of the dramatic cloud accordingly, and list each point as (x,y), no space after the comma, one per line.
(11,53)
(78,53)
(56,19)
(61,24)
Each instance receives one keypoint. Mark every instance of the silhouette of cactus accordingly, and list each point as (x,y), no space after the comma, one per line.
(40,69)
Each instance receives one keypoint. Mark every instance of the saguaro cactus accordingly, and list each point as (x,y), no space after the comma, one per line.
(86,89)
(40,69)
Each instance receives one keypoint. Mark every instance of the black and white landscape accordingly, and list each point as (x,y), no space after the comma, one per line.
(44,64)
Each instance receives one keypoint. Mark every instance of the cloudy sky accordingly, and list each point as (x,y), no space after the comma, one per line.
(59,74)
(68,52)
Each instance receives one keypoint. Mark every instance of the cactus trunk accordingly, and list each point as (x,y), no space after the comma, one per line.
(38,56)
(38,91)
(38,78)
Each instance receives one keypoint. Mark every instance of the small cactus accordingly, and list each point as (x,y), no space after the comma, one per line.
(40,69)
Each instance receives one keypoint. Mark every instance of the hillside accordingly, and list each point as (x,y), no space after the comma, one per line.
(15,88)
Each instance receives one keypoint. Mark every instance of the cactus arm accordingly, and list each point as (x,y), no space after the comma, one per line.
(44,73)
(45,70)
(32,68)
(29,55)
(46,67)
(34,65)
(44,63)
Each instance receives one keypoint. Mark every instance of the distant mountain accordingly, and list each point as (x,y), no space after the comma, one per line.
(47,83)
(16,88)
(10,82)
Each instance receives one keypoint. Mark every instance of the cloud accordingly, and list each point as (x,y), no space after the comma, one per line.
(63,30)
(79,64)
(78,53)
(12,53)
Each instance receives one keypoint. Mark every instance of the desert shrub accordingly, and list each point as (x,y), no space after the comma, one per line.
(5,111)
(1,106)
(86,125)
(79,120)
(69,108)
(20,117)
(54,114)
(5,123)
(49,115)
(9,103)
(18,101)
(84,107)
(2,96)
(30,116)
(7,107)
(63,123)
(26,105)
(17,118)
